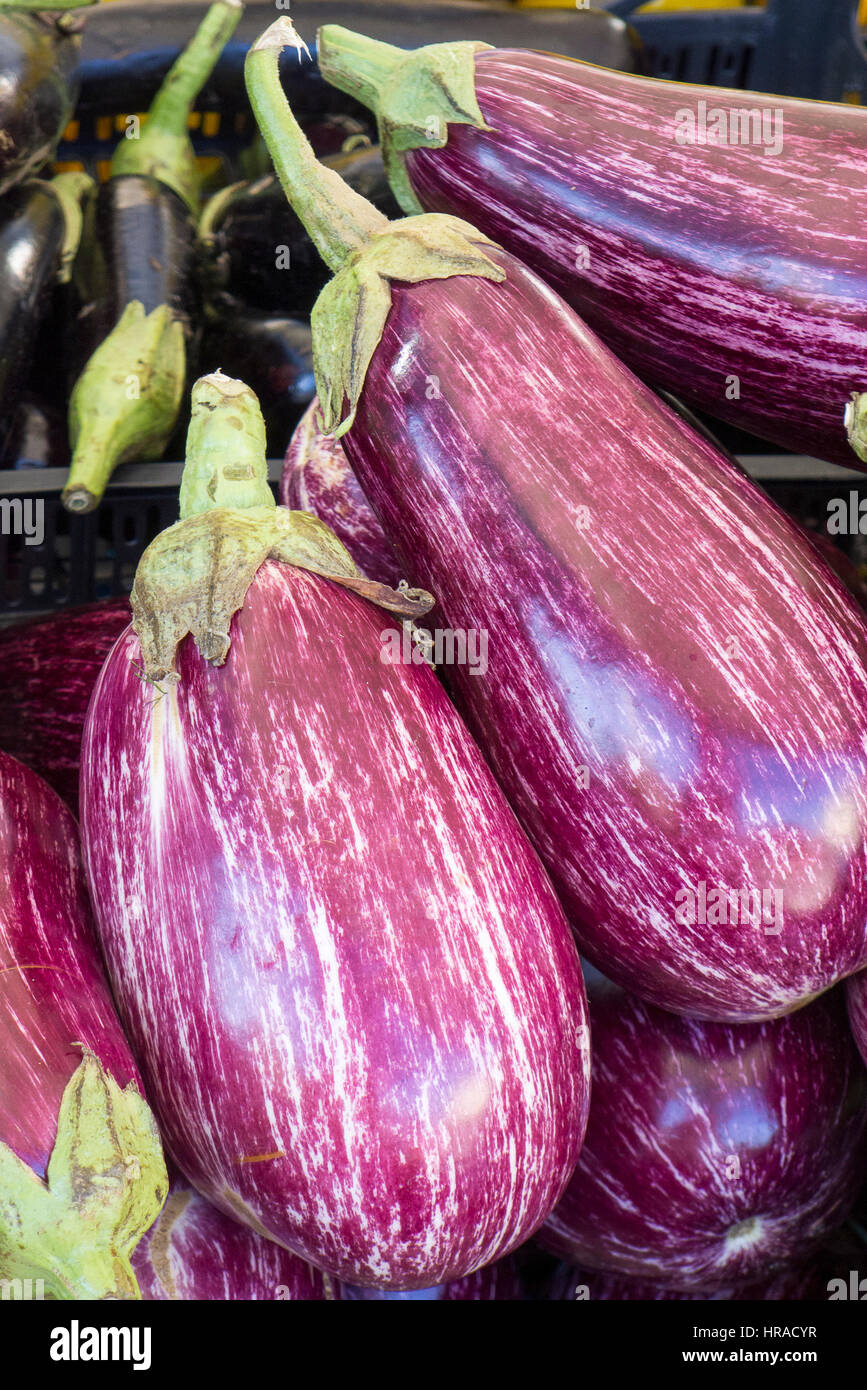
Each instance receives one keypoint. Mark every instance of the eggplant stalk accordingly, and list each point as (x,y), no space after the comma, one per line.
(164,149)
(415,96)
(194,577)
(364,249)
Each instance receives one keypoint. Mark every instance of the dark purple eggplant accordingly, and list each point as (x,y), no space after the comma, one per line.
(39,230)
(137,285)
(38,87)
(37,438)
(254,246)
(142,241)
(272,353)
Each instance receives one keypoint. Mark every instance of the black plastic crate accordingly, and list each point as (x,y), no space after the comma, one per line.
(799,48)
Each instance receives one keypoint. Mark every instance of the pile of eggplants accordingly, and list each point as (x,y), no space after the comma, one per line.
(711,238)
(316,942)
(661,739)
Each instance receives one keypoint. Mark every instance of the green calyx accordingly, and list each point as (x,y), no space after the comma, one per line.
(105,1186)
(414,95)
(163,148)
(856,423)
(364,249)
(194,577)
(350,313)
(125,404)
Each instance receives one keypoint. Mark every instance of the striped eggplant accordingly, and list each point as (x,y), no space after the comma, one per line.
(355,998)
(714,1155)
(194,1252)
(804,1283)
(687,753)
(856,994)
(712,238)
(317,478)
(48,668)
(498,1282)
(81,1167)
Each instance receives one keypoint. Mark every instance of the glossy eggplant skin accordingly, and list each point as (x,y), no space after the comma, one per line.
(733,277)
(714,1156)
(32,228)
(38,87)
(141,239)
(193,1252)
(272,353)
(654,732)
(256,233)
(48,668)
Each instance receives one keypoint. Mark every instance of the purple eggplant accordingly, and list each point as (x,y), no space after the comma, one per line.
(48,668)
(81,1168)
(803,1283)
(856,993)
(317,478)
(675,699)
(194,1252)
(38,87)
(498,1282)
(714,1155)
(356,1001)
(712,238)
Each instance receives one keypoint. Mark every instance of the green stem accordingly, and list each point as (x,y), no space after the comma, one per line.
(338,220)
(164,149)
(357,65)
(226,463)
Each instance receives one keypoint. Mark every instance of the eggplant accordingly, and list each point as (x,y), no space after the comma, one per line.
(38,86)
(856,993)
(497,1282)
(81,1168)
(349,983)
(661,737)
(48,668)
(807,1282)
(714,1155)
(194,1252)
(271,352)
(711,238)
(37,438)
(138,284)
(40,227)
(317,478)
(254,246)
